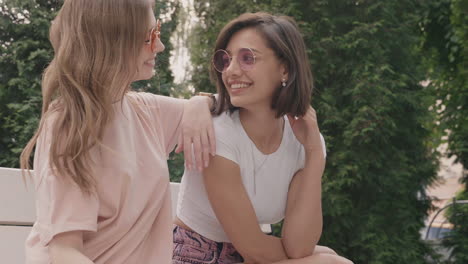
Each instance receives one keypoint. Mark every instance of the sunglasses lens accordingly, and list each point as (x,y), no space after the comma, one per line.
(221,60)
(155,35)
(246,59)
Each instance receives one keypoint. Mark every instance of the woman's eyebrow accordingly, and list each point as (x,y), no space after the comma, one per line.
(254,50)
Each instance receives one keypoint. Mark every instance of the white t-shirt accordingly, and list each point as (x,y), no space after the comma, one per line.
(268,190)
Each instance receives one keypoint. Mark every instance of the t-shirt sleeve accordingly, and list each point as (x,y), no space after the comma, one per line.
(226,138)
(60,204)
(324,147)
(168,113)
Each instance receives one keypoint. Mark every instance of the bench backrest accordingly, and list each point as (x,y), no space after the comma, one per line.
(17,214)
(17,205)
(16,201)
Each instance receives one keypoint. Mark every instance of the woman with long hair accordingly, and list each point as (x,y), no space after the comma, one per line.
(270,155)
(100,165)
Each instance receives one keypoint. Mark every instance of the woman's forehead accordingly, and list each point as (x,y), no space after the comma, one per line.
(247,38)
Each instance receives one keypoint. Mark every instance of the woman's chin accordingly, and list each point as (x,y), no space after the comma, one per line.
(236,102)
(146,76)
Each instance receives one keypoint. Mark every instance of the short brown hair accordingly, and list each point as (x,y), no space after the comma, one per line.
(282,35)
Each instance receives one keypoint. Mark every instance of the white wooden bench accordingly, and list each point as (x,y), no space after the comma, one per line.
(17,214)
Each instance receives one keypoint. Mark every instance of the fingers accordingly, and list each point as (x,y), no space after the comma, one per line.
(206,149)
(310,115)
(197,149)
(313,112)
(180,144)
(203,145)
(188,152)
(212,139)
(198,137)
(324,250)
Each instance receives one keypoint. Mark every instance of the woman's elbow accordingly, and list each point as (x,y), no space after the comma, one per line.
(297,248)
(254,256)
(299,252)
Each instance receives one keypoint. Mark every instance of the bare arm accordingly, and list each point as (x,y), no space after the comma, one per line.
(234,210)
(303,221)
(302,225)
(197,132)
(67,248)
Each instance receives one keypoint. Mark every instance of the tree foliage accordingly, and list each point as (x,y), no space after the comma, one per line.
(457,239)
(372,112)
(445,41)
(372,109)
(25,52)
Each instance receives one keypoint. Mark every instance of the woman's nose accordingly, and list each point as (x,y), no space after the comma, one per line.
(159,46)
(233,67)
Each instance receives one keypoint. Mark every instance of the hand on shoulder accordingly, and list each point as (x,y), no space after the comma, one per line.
(306,130)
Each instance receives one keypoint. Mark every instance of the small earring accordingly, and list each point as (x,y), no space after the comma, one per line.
(283,82)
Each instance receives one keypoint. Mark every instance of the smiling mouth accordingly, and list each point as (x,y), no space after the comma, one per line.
(239,85)
(150,63)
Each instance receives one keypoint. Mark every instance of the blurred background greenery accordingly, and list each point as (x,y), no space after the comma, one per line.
(390,87)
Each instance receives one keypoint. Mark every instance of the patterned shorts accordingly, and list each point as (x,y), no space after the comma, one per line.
(192,248)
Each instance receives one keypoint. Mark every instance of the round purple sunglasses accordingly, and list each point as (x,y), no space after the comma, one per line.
(245,57)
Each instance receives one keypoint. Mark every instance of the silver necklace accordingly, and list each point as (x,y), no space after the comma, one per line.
(259,167)
(255,167)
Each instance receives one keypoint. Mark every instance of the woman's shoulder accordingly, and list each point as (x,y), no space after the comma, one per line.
(225,120)
(142,98)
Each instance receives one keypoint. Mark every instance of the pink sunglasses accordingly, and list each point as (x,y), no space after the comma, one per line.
(245,57)
(154,34)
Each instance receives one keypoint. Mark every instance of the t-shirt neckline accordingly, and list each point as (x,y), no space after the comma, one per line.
(254,147)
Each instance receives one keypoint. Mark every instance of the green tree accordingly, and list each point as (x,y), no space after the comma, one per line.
(457,239)
(214,15)
(445,41)
(372,112)
(25,52)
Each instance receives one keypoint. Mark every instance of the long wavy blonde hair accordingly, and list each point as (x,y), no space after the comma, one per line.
(96,45)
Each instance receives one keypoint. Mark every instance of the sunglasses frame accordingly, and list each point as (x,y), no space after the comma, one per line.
(155,33)
(242,65)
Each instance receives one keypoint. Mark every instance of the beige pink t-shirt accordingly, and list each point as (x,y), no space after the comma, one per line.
(129,219)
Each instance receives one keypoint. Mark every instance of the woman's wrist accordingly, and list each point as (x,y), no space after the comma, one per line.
(211,101)
(315,156)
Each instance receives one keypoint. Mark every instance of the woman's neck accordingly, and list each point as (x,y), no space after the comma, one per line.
(263,128)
